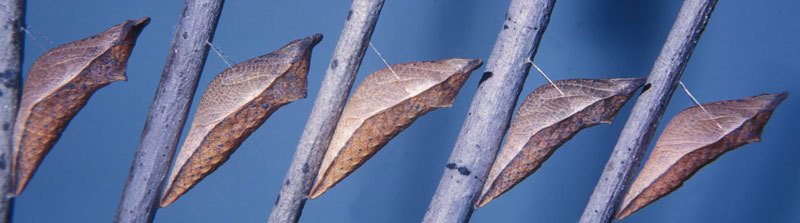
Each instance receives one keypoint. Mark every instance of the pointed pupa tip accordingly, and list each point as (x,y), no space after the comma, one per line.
(136,26)
(634,83)
(301,47)
(167,197)
(19,185)
(142,22)
(18,191)
(130,29)
(316,38)
(468,65)
(639,81)
(483,201)
(315,192)
(165,201)
(625,210)
(622,214)
(779,97)
(308,41)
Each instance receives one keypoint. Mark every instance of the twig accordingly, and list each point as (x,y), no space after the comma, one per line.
(490,111)
(167,114)
(647,112)
(12,21)
(341,73)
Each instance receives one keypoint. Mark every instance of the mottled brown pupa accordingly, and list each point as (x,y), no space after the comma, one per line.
(546,119)
(59,84)
(693,139)
(385,104)
(234,105)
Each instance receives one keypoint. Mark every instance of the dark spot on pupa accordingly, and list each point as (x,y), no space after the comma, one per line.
(334,64)
(486,75)
(349,14)
(185,35)
(83,86)
(277,199)
(463,171)
(6,126)
(287,183)
(645,88)
(505,26)
(370,138)
(265,106)
(306,168)
(451,166)
(220,145)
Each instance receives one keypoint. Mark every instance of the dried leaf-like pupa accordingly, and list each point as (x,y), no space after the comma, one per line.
(235,104)
(692,139)
(547,119)
(59,85)
(385,104)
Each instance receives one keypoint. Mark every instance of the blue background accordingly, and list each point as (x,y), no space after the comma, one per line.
(749,48)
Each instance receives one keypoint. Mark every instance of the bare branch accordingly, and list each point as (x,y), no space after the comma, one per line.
(647,112)
(490,112)
(12,23)
(167,114)
(341,73)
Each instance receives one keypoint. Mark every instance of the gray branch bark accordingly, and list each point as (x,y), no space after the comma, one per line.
(346,60)
(12,23)
(490,111)
(167,114)
(647,112)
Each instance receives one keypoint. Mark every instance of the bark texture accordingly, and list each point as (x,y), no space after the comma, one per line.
(12,23)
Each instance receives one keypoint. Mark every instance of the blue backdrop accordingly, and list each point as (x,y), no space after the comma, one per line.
(749,48)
